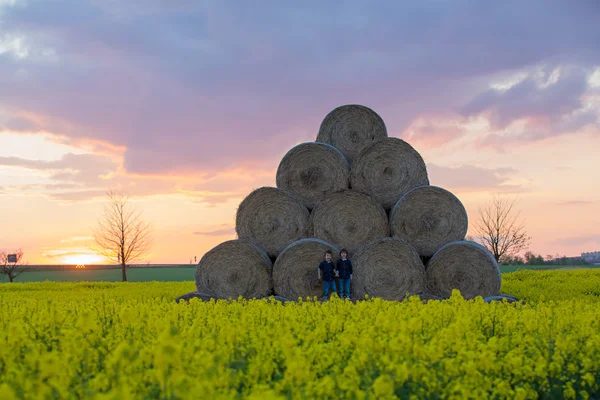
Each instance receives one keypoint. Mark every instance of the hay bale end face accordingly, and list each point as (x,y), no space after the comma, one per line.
(295,270)
(351,128)
(235,268)
(348,219)
(429,217)
(312,170)
(272,219)
(387,169)
(466,266)
(388,268)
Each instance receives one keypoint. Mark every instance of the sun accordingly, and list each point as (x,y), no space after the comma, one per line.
(82,259)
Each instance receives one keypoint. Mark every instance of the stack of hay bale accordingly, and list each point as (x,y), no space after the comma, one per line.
(354,188)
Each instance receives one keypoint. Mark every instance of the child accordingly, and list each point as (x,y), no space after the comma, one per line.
(344,267)
(329,274)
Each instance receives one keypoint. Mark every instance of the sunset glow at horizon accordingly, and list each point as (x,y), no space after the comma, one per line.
(188,108)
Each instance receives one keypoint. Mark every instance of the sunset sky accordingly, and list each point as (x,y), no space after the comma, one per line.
(190,105)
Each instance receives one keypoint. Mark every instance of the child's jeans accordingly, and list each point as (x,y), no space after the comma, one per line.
(328,287)
(345,288)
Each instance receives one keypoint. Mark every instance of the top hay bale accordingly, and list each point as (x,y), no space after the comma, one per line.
(350,128)
(387,169)
(466,266)
(348,219)
(312,170)
(428,217)
(235,268)
(271,219)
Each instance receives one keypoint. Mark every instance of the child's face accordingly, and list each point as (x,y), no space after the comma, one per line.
(327,257)
(344,255)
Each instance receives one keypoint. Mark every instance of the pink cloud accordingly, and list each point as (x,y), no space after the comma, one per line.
(470,178)
(434,131)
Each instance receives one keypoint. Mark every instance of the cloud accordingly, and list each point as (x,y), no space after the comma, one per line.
(174,84)
(473,179)
(580,241)
(545,104)
(74,168)
(222,230)
(84,177)
(20,124)
(576,203)
(75,239)
(532,98)
(434,132)
(62,253)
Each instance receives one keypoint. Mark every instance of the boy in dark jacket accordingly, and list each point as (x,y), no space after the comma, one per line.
(329,274)
(344,267)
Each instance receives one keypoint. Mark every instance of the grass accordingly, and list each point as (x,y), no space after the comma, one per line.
(512,268)
(179,274)
(139,274)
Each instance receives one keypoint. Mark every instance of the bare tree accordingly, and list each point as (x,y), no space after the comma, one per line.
(500,228)
(11,264)
(122,235)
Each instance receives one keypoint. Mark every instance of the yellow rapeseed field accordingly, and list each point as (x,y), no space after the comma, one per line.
(120,341)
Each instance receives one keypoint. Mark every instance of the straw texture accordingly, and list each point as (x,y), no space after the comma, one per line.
(271,219)
(351,128)
(295,270)
(466,266)
(388,268)
(387,169)
(234,268)
(429,217)
(312,170)
(348,219)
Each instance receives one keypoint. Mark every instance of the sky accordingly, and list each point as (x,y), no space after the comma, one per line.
(190,105)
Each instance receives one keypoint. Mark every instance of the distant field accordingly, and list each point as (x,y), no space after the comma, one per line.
(138,274)
(178,274)
(513,268)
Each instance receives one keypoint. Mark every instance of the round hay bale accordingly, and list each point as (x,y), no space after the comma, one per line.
(235,268)
(351,128)
(348,219)
(388,268)
(428,217)
(295,270)
(387,169)
(312,170)
(466,266)
(271,219)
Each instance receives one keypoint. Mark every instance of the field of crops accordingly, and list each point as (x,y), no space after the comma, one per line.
(114,340)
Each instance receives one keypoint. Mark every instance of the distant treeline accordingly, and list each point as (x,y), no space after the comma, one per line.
(537,259)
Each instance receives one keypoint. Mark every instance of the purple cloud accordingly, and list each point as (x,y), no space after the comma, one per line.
(529,99)
(187,86)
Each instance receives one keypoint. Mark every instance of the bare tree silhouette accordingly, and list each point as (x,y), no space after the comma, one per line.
(11,264)
(122,235)
(500,228)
